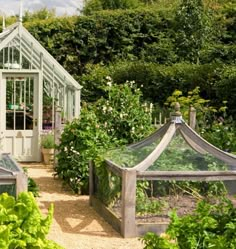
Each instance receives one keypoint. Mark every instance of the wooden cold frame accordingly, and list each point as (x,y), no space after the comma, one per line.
(127,225)
(14,177)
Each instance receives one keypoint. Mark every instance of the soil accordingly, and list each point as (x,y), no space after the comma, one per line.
(183,204)
(76,225)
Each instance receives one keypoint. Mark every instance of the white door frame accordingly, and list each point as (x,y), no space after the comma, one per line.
(37,110)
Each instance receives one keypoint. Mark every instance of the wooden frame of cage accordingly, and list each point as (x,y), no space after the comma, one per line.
(127,225)
(14,177)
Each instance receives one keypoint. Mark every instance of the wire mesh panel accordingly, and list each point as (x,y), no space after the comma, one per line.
(157,200)
(179,156)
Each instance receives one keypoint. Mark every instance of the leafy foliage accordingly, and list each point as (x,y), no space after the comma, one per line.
(32,185)
(97,5)
(122,114)
(82,140)
(117,118)
(212,225)
(22,224)
(47,141)
(192,29)
(222,134)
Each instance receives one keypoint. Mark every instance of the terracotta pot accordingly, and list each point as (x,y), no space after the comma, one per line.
(48,155)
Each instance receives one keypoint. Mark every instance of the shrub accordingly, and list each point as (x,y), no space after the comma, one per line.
(122,114)
(82,140)
(117,118)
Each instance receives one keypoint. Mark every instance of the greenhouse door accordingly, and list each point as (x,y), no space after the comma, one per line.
(19,97)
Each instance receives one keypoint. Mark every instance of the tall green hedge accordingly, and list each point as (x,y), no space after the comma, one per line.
(216,81)
(147,34)
(146,38)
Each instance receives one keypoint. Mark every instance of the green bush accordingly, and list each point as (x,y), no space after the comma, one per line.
(117,118)
(122,114)
(22,224)
(81,141)
(216,81)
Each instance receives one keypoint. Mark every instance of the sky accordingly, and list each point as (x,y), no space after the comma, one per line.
(69,7)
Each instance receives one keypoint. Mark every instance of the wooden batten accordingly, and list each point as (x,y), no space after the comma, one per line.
(151,158)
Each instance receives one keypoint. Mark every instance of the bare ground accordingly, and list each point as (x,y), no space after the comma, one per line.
(76,225)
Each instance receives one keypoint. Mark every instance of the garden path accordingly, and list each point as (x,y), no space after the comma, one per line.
(76,225)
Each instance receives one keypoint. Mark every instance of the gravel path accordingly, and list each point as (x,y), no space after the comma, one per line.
(76,225)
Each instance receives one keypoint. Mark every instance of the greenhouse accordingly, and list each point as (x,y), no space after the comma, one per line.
(32,85)
(173,168)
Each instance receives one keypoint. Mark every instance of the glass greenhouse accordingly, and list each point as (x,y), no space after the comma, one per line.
(32,85)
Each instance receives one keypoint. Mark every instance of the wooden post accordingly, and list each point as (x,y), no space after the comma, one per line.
(21,183)
(128,196)
(192,117)
(91,182)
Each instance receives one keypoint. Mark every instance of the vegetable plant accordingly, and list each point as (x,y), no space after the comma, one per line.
(22,224)
(211,225)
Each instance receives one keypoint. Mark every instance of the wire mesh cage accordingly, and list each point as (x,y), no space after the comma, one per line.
(13,180)
(172,169)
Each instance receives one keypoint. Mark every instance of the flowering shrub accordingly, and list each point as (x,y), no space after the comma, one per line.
(117,118)
(81,141)
(122,114)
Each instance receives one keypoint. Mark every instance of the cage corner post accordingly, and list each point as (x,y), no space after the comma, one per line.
(128,224)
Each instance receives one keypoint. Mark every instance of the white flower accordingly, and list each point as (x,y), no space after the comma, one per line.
(108,78)
(104,108)
(109,83)
(110,109)
(121,115)
(132,83)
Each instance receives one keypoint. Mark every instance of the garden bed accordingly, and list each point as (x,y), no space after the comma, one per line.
(183,204)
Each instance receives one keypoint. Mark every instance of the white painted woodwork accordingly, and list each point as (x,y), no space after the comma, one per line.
(21,54)
(22,143)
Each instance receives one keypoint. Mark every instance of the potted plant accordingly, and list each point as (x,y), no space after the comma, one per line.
(47,147)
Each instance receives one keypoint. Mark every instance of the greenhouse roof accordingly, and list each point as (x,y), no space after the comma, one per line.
(35,56)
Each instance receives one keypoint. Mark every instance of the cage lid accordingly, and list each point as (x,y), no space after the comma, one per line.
(173,147)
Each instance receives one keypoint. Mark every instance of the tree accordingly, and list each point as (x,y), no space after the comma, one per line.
(96,5)
(192,28)
(41,14)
